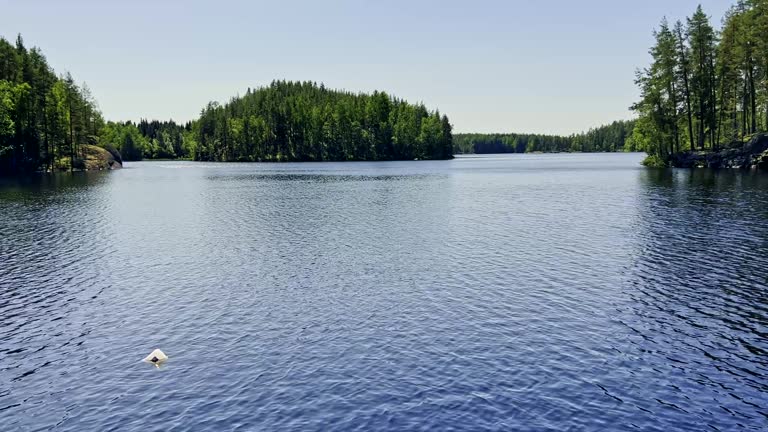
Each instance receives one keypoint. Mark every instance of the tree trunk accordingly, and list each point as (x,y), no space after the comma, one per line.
(701,92)
(753,98)
(744,110)
(675,130)
(687,89)
(713,117)
(71,141)
(48,155)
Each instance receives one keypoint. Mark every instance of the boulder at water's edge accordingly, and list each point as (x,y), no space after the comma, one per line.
(95,158)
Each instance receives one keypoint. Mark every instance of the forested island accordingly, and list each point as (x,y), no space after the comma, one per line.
(294,121)
(704,98)
(614,137)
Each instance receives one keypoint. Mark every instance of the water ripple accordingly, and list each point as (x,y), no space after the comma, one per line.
(544,292)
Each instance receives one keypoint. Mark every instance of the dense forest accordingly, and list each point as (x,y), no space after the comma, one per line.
(44,118)
(152,139)
(303,121)
(294,121)
(705,89)
(47,120)
(609,138)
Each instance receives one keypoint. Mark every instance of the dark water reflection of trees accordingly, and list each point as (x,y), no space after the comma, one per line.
(698,287)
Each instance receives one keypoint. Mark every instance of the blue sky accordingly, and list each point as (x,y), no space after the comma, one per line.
(526,66)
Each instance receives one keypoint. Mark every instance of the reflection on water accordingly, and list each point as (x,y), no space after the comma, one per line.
(696,309)
(544,292)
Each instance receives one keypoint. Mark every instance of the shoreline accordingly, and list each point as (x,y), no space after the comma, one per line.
(753,155)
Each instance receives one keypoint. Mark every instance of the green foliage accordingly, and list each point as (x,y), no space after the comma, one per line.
(303,121)
(168,140)
(127,138)
(609,138)
(9,96)
(641,138)
(655,161)
(704,88)
(44,118)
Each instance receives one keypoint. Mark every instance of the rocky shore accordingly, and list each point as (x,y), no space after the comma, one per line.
(752,155)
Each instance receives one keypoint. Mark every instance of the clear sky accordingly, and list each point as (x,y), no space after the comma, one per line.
(558,66)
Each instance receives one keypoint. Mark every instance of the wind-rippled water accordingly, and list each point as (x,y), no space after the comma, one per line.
(536,292)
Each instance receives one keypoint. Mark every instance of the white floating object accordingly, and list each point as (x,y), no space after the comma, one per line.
(156,357)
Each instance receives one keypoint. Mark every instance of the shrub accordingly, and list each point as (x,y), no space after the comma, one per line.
(655,161)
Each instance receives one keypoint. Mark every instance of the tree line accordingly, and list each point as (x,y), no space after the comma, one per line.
(294,121)
(303,121)
(151,139)
(705,89)
(609,138)
(44,117)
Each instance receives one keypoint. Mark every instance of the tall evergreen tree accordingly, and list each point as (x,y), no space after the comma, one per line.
(702,42)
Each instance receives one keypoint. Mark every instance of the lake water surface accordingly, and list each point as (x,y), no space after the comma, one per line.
(517,292)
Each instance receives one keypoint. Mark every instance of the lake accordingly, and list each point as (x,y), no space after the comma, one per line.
(500,292)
